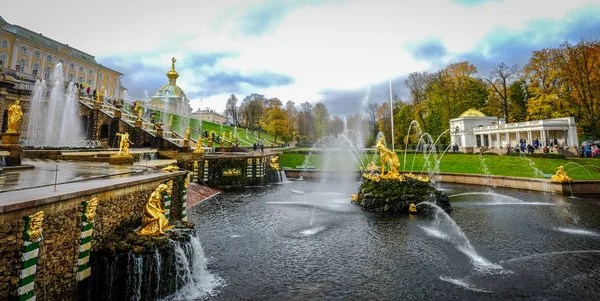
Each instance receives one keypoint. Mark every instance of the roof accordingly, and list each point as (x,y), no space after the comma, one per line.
(471,113)
(2,21)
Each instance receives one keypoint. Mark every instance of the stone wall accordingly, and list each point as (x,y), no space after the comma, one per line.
(120,205)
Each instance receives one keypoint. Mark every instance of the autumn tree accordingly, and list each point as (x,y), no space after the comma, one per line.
(372,119)
(253,107)
(384,121)
(501,77)
(336,126)
(547,90)
(292,115)
(231,109)
(305,121)
(321,121)
(275,122)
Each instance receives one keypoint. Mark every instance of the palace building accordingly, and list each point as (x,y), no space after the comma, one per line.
(473,130)
(31,55)
(170,98)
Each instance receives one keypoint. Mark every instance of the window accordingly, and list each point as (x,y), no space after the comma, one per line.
(62,62)
(80,79)
(47,73)
(100,75)
(35,70)
(108,78)
(80,69)
(115,80)
(21,65)
(24,50)
(71,77)
(89,82)
(49,59)
(5,43)
(3,60)
(72,66)
(90,72)
(37,55)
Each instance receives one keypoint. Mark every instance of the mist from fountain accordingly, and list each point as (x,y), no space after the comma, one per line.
(54,121)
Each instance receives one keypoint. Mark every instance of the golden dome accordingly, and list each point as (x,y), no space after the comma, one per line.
(173,75)
(471,113)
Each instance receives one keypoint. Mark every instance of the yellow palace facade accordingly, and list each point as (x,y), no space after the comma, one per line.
(35,56)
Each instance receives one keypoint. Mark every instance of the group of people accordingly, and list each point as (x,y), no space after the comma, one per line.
(258,145)
(588,150)
(523,146)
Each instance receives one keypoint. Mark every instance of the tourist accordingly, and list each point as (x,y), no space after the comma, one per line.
(262,148)
(254,147)
(555,142)
(88,91)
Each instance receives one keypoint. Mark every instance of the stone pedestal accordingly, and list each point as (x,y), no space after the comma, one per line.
(210,143)
(120,160)
(97,105)
(138,123)
(117,114)
(10,144)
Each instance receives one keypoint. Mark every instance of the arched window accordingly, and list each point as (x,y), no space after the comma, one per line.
(89,82)
(49,59)
(90,72)
(37,55)
(21,65)
(36,69)
(3,60)
(62,62)
(81,69)
(80,79)
(5,43)
(72,66)
(108,78)
(24,50)
(71,77)
(100,75)
(47,72)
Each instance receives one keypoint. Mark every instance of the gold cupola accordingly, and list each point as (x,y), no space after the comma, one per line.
(172,75)
(472,113)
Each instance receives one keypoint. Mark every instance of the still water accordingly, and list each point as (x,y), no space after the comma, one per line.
(306,241)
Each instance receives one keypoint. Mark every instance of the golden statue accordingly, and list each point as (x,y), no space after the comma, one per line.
(188,131)
(187,182)
(140,114)
(171,168)
(98,96)
(389,157)
(561,175)
(199,149)
(137,105)
(34,231)
(171,121)
(412,208)
(154,221)
(170,187)
(274,163)
(90,209)
(14,116)
(124,145)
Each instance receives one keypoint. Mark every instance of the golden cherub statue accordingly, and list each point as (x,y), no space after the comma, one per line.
(199,149)
(188,131)
(389,157)
(274,163)
(561,175)
(124,144)
(34,231)
(154,221)
(14,116)
(171,168)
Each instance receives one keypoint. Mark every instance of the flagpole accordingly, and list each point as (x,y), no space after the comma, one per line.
(392,114)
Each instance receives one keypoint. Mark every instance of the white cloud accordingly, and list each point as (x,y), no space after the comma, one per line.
(335,45)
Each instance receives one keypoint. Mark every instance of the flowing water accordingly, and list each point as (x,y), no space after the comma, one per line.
(306,241)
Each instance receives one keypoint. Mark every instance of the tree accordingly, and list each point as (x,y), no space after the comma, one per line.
(231,109)
(580,68)
(384,121)
(253,105)
(292,115)
(336,126)
(305,121)
(321,120)
(276,122)
(501,77)
(547,98)
(372,118)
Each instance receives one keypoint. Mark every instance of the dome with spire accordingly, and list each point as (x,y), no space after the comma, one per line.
(171,97)
(471,113)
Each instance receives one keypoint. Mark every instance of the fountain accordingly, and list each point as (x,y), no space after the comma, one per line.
(392,192)
(54,122)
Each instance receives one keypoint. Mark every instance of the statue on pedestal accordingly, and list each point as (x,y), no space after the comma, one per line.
(124,145)
(154,221)
(14,116)
(188,131)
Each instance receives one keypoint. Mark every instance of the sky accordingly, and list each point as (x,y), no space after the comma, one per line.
(342,53)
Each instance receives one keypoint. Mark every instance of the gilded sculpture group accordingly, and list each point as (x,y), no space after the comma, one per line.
(390,159)
(154,221)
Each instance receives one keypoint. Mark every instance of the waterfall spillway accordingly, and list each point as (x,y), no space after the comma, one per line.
(54,120)
(176,271)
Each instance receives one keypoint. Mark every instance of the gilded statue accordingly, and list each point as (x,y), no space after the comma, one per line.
(137,105)
(98,96)
(199,149)
(171,121)
(187,182)
(124,145)
(14,116)
(171,168)
(561,175)
(188,131)
(154,221)
(170,188)
(274,163)
(140,112)
(387,157)
(34,227)
(90,209)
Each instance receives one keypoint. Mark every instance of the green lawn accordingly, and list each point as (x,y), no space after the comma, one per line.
(578,169)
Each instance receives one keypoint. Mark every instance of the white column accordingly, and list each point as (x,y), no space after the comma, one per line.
(498,143)
(96,81)
(43,67)
(30,66)
(529,138)
(542,139)
(15,53)
(518,136)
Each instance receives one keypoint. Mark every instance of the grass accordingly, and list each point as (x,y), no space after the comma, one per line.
(514,166)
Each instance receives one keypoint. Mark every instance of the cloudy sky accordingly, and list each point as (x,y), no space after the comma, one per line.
(339,52)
